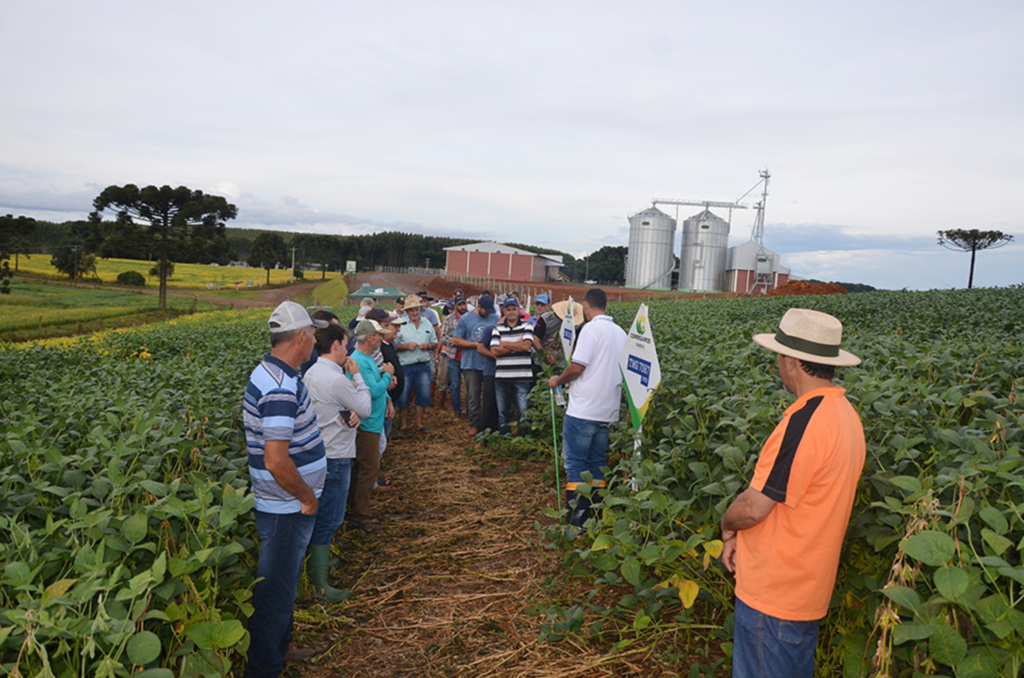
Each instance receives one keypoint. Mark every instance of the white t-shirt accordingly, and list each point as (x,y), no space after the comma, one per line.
(597,394)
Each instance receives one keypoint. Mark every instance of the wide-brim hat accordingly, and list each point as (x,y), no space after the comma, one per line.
(577,311)
(412,300)
(811,336)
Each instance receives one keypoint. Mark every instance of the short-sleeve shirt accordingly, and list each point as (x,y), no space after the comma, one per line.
(518,365)
(424,334)
(786,564)
(472,327)
(596,395)
(277,406)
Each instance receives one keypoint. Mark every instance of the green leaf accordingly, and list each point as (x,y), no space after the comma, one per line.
(996,542)
(946,646)
(160,567)
(631,571)
(911,631)
(18,572)
(930,547)
(57,589)
(602,542)
(952,582)
(221,635)
(978,665)
(1015,573)
(904,596)
(906,483)
(154,673)
(994,518)
(143,648)
(135,528)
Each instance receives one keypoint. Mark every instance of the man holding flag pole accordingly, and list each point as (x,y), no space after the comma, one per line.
(594,402)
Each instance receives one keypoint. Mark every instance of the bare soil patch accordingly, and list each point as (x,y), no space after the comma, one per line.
(449,587)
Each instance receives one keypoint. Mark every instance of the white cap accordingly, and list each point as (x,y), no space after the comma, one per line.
(290,316)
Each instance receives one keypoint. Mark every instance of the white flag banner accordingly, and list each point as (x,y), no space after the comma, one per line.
(638,361)
(568,332)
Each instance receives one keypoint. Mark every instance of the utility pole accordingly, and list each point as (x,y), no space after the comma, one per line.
(428,262)
(74,273)
(293,263)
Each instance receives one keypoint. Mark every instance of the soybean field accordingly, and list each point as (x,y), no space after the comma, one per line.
(127,542)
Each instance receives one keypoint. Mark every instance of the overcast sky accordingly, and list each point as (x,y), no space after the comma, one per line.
(538,122)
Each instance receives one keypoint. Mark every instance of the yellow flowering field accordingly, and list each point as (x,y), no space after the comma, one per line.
(186,276)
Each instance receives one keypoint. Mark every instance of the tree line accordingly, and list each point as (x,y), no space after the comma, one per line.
(169,225)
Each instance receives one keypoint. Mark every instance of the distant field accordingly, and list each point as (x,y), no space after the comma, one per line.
(186,276)
(35,310)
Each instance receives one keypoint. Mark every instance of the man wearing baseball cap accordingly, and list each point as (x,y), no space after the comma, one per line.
(287,468)
(472,330)
(369,334)
(784,533)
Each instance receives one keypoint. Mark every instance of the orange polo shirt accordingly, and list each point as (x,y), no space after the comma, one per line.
(786,565)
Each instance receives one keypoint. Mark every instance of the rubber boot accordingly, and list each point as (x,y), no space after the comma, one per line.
(316,568)
(581,512)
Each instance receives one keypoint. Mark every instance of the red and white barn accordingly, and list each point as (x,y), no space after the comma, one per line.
(494,261)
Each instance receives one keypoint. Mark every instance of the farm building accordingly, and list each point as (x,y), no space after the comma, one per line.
(752,268)
(491,260)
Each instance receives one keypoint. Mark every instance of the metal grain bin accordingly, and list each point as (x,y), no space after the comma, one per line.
(651,238)
(702,256)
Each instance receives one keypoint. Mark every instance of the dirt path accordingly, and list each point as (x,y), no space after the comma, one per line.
(447,588)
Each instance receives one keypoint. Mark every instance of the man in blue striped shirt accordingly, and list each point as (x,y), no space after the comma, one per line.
(287,467)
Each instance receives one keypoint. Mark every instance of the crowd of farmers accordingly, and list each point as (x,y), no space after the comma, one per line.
(320,409)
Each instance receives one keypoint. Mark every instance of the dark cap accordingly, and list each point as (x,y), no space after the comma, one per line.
(510,301)
(459,298)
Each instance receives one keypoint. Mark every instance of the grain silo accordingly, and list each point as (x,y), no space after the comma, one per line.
(702,256)
(651,239)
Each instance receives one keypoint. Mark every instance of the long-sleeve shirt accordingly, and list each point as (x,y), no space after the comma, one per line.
(378,384)
(333,392)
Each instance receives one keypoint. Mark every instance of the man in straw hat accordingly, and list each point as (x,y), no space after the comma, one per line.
(783,534)
(287,468)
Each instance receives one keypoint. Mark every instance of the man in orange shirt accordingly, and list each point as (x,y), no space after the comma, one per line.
(784,533)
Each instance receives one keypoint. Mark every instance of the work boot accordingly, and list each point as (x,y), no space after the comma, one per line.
(579,508)
(316,568)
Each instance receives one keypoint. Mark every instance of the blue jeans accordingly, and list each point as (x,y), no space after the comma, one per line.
(455,384)
(504,392)
(766,647)
(283,541)
(330,513)
(584,448)
(417,377)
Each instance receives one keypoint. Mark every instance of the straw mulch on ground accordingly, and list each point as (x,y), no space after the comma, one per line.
(446,589)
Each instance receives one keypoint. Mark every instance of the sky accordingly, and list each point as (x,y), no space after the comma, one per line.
(537,122)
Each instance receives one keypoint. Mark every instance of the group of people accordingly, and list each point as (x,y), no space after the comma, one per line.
(320,405)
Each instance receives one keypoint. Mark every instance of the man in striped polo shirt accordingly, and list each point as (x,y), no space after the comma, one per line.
(287,467)
(511,343)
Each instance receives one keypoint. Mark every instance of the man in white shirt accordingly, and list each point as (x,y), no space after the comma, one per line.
(340,401)
(594,402)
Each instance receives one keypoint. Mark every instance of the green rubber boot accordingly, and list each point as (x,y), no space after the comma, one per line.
(316,568)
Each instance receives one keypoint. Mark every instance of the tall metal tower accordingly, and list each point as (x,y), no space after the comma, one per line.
(757,234)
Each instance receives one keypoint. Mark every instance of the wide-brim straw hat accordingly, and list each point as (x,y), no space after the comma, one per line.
(811,336)
(577,311)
